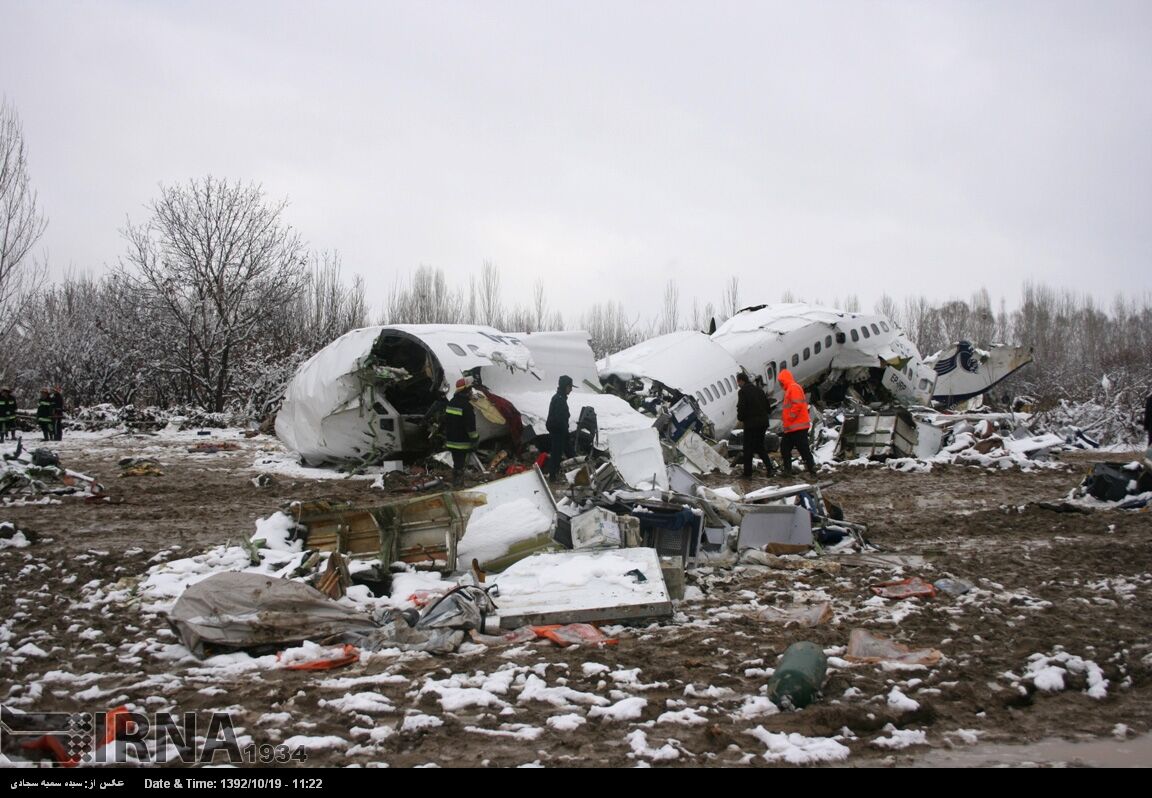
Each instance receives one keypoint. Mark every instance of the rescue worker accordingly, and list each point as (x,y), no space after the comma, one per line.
(1148,418)
(753,410)
(557,425)
(796,423)
(460,429)
(57,414)
(44,410)
(7,413)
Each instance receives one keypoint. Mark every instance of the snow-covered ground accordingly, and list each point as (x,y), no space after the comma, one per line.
(1049,635)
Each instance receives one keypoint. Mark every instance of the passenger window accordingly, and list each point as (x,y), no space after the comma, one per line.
(783,365)
(884,326)
(457,350)
(795,360)
(839,338)
(700,397)
(816,347)
(855,336)
(807,353)
(731,384)
(474,349)
(864,330)
(828,341)
(875,329)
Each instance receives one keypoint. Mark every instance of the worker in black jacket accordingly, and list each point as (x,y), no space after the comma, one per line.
(460,434)
(557,424)
(7,413)
(44,413)
(1148,418)
(753,411)
(57,414)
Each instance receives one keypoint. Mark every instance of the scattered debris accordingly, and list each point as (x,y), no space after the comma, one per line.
(864,646)
(27,476)
(13,538)
(913,587)
(953,587)
(801,615)
(1126,486)
(240,611)
(140,467)
(312,657)
(798,678)
(574,634)
(582,586)
(213,448)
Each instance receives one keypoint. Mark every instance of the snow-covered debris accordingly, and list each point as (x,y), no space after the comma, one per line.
(900,702)
(900,738)
(494,529)
(796,749)
(626,709)
(638,741)
(1051,673)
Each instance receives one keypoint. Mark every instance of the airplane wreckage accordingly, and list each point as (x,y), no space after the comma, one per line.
(378,392)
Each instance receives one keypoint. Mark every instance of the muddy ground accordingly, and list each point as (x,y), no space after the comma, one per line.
(1045,582)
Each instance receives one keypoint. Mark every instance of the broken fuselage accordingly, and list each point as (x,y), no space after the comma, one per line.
(826,350)
(376,392)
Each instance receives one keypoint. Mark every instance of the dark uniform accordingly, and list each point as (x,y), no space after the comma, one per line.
(7,413)
(754,411)
(460,434)
(557,424)
(1148,418)
(57,414)
(44,410)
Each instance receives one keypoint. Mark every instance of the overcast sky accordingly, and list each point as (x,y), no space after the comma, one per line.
(830,148)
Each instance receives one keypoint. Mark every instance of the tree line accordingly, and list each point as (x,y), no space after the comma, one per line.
(216,300)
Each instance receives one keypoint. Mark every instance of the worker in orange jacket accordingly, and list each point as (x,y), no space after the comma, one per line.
(796,423)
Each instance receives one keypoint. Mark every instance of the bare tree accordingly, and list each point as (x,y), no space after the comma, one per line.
(731,301)
(491,309)
(670,313)
(326,308)
(886,306)
(426,300)
(609,329)
(21,223)
(220,266)
(539,305)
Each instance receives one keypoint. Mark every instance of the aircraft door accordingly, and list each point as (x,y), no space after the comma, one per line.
(770,373)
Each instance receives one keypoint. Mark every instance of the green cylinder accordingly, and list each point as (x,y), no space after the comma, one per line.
(798,678)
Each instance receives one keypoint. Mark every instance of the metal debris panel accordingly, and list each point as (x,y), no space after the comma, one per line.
(576,586)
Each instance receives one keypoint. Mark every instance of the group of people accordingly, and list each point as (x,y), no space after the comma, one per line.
(49,413)
(460,435)
(753,410)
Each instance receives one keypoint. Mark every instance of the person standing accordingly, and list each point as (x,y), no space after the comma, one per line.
(44,414)
(796,422)
(557,425)
(754,412)
(460,429)
(7,413)
(1148,418)
(57,414)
